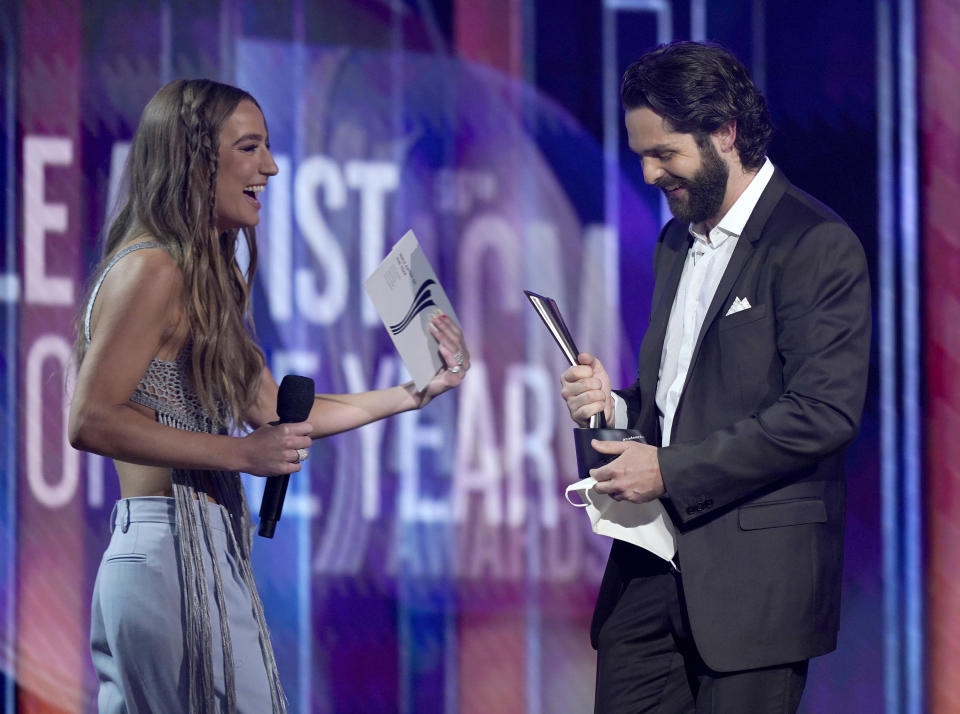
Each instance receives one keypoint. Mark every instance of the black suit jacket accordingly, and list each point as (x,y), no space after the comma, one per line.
(754,472)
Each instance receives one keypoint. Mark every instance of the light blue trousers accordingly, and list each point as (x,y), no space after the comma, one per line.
(137,620)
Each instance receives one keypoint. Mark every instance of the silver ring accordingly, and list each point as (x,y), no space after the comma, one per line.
(302,455)
(454,370)
(458,358)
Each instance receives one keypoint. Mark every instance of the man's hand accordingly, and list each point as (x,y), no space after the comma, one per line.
(633,476)
(586,389)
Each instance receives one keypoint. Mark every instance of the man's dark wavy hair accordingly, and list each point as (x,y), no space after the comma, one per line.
(698,87)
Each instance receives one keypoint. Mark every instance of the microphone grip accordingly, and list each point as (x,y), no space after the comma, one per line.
(272,504)
(294,399)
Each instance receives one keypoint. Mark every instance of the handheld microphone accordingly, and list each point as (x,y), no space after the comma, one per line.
(294,401)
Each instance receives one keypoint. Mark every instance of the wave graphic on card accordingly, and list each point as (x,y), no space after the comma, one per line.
(421,302)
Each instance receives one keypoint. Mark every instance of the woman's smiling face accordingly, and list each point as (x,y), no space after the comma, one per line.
(245,165)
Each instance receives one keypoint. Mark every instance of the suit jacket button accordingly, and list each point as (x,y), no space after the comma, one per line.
(708,503)
(691,510)
(699,506)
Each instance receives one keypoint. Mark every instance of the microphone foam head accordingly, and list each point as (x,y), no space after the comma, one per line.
(295,398)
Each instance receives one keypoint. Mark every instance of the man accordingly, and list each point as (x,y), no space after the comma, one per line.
(751,381)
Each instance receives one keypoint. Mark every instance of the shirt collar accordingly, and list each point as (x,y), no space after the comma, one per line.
(735,219)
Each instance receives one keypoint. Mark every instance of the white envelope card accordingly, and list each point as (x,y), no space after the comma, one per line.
(405,290)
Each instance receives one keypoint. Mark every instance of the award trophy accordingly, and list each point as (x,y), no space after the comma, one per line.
(587,457)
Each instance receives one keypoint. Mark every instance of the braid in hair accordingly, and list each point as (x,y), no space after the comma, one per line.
(218,297)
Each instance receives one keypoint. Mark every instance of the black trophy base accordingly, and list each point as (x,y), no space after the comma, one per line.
(588,458)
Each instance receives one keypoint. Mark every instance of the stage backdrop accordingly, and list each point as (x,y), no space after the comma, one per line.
(428,563)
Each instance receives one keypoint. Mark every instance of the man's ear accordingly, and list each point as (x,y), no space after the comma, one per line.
(726,136)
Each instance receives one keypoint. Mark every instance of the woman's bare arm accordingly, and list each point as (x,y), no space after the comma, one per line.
(335,413)
(138,317)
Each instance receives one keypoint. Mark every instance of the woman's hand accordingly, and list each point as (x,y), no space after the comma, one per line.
(336,413)
(275,449)
(455,355)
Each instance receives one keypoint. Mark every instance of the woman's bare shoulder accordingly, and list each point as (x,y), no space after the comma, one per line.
(145,284)
(146,273)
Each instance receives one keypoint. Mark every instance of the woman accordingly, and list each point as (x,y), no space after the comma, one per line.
(168,368)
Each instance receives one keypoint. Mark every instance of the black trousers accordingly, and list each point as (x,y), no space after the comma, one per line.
(647,660)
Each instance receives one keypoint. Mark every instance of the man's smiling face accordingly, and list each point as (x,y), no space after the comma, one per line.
(692,177)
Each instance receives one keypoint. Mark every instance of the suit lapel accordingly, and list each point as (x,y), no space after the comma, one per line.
(752,232)
(675,245)
(679,244)
(741,254)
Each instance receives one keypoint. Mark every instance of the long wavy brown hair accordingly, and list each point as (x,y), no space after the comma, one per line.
(171,177)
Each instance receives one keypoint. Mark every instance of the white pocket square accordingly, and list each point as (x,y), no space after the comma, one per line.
(738,305)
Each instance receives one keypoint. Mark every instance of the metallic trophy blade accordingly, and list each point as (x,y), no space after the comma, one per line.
(550,314)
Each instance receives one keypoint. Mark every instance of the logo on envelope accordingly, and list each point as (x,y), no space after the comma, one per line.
(421,301)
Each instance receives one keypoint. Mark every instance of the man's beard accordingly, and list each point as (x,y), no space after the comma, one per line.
(705,189)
